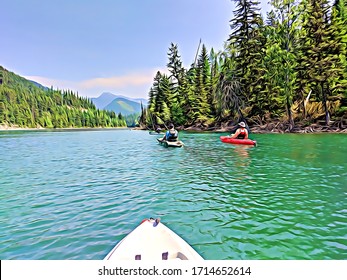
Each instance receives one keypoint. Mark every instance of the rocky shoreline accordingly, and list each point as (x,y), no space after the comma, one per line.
(16,127)
(273,127)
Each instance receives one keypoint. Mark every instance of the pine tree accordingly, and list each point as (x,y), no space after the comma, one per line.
(339,27)
(176,99)
(279,61)
(202,86)
(247,41)
(319,60)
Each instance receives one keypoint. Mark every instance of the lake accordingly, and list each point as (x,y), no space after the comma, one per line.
(73,194)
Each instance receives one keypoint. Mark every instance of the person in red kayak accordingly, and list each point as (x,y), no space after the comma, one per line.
(241,132)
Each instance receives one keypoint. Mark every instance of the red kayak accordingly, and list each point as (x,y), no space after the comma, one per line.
(227,139)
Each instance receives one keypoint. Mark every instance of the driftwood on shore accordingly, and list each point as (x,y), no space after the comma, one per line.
(278,127)
(273,127)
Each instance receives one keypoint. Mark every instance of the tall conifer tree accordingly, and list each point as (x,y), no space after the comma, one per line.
(246,38)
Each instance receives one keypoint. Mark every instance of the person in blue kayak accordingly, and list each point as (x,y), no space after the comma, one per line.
(171,135)
(241,132)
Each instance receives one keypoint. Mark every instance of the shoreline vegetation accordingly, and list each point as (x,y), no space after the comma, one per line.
(270,128)
(274,127)
(25,104)
(6,127)
(275,76)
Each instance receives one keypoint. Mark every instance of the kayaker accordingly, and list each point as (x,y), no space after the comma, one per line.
(241,132)
(171,135)
(158,129)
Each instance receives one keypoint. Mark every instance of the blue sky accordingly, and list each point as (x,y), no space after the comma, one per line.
(95,46)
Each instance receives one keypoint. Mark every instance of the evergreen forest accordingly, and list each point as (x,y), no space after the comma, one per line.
(26,104)
(289,68)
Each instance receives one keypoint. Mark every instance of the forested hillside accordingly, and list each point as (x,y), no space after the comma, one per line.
(24,104)
(290,69)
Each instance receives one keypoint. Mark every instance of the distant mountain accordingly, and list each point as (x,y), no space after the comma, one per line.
(140,100)
(119,103)
(103,100)
(124,106)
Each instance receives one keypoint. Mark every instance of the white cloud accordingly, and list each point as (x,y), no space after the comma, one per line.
(56,84)
(135,85)
(118,82)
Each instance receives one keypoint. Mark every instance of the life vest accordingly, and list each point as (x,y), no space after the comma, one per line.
(242,134)
(172,135)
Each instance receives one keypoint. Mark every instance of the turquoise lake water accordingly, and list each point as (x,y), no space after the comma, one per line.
(75,194)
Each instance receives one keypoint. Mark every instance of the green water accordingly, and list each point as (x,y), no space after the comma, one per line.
(75,194)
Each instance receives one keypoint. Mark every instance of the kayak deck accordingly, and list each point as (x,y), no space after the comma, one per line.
(156,133)
(178,143)
(152,240)
(228,139)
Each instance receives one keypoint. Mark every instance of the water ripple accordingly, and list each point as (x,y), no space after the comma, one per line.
(74,195)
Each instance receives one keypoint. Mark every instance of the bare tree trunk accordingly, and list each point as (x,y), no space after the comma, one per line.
(327,115)
(197,52)
(290,115)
